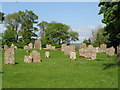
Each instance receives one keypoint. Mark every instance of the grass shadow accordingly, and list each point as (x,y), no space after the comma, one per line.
(1,72)
(100,60)
(109,65)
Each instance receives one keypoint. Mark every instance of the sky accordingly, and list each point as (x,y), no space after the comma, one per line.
(82,17)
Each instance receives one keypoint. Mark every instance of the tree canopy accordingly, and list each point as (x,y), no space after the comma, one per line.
(111,13)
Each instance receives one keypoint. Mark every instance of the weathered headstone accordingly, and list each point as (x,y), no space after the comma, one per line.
(110,51)
(63,46)
(35,56)
(88,52)
(53,47)
(97,49)
(9,56)
(83,45)
(30,45)
(72,47)
(102,48)
(72,55)
(47,54)
(26,47)
(118,53)
(28,59)
(67,51)
(37,44)
(6,47)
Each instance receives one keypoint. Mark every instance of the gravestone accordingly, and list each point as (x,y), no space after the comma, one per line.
(48,46)
(26,47)
(30,45)
(28,59)
(40,45)
(97,49)
(67,50)
(35,56)
(6,47)
(88,52)
(110,51)
(63,46)
(9,56)
(83,45)
(72,55)
(47,54)
(72,47)
(102,48)
(118,53)
(37,44)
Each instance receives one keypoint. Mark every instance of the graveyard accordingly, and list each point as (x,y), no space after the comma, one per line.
(60,45)
(59,71)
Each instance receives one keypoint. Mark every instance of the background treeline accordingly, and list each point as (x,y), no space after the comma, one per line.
(22,28)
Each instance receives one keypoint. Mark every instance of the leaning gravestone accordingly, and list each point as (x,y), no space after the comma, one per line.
(110,51)
(9,56)
(118,53)
(37,44)
(63,46)
(6,47)
(83,45)
(35,56)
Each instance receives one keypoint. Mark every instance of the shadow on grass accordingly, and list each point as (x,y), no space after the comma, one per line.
(109,65)
(100,60)
(1,72)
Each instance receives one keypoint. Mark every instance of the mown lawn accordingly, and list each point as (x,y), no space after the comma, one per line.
(59,72)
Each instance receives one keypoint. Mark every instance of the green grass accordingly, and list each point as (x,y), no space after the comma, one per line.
(59,72)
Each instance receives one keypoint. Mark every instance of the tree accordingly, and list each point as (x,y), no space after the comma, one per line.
(43,25)
(111,12)
(2,16)
(58,33)
(12,22)
(99,36)
(22,24)
(9,37)
(27,30)
(73,36)
(87,42)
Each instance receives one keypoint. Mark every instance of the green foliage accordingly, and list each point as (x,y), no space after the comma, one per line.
(2,16)
(9,37)
(99,36)
(111,12)
(57,33)
(22,24)
(87,42)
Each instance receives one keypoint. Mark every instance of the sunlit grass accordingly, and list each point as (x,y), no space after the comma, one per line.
(59,72)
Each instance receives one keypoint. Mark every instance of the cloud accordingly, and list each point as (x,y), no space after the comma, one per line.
(84,32)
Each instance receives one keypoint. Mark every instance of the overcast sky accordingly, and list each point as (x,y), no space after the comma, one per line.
(80,16)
